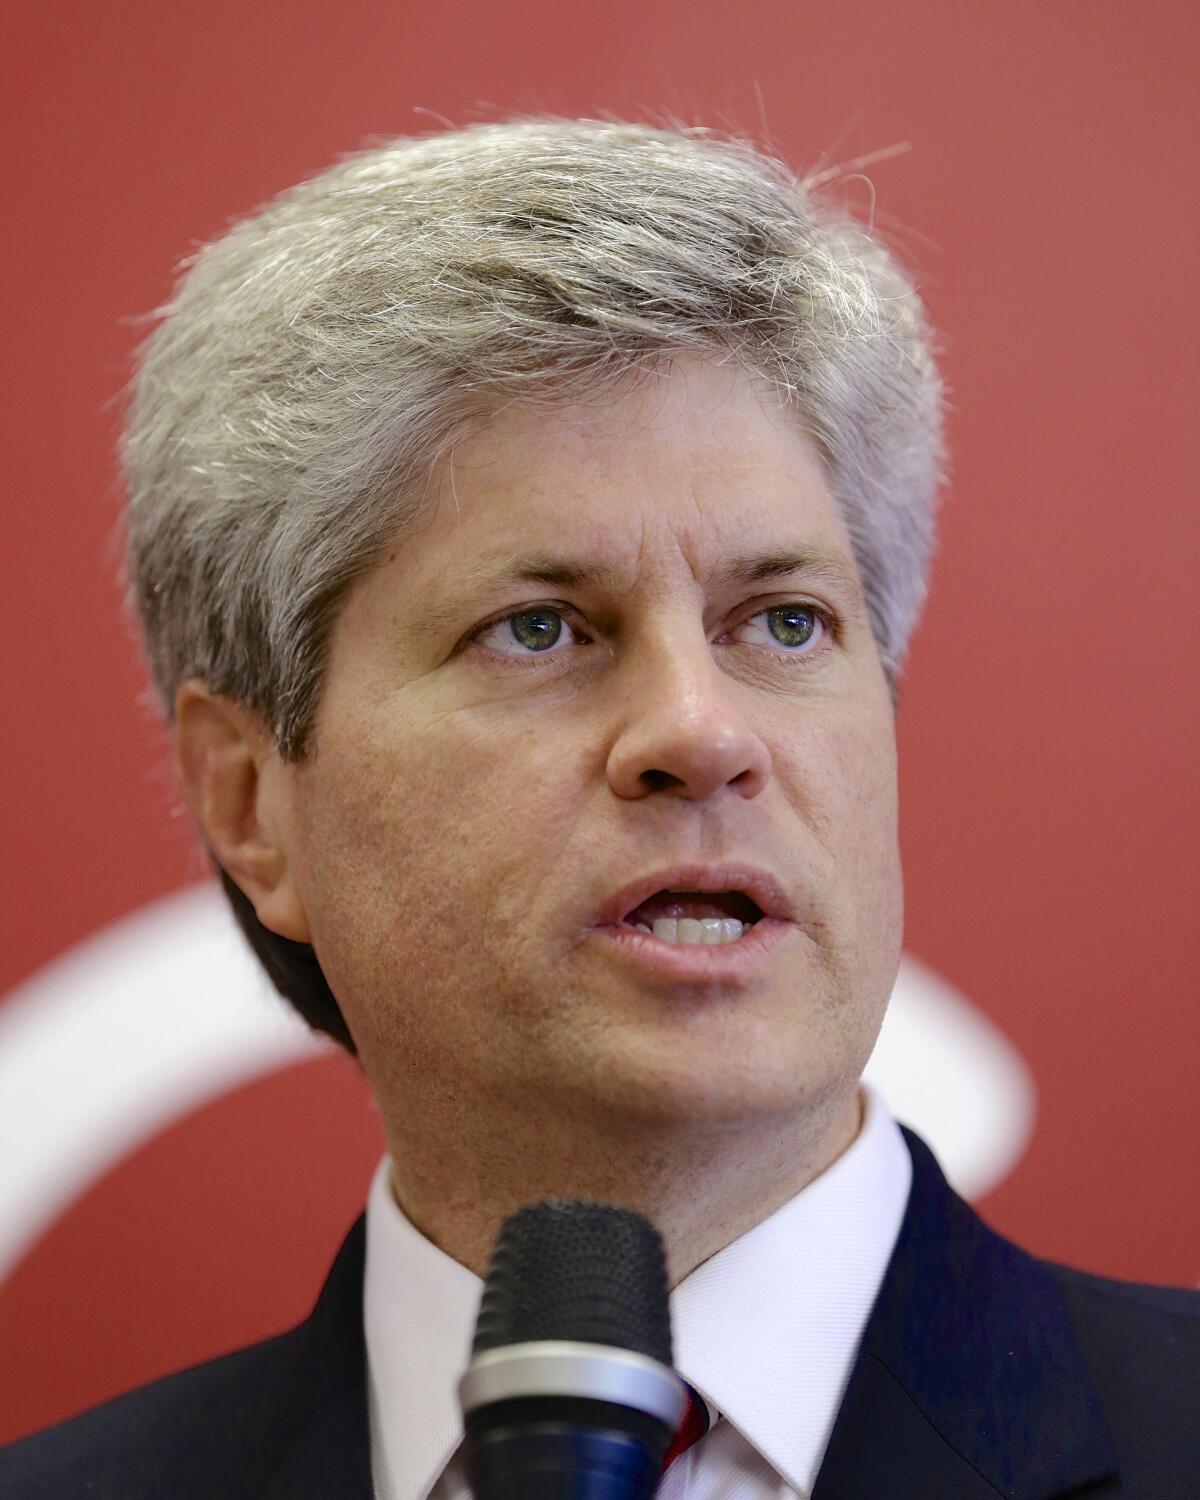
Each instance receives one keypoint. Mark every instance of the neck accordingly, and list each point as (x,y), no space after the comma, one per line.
(701,1189)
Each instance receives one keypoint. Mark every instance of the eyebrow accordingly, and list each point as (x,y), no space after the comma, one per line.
(819,563)
(757,567)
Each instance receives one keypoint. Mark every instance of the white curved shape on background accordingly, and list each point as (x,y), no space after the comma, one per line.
(125,1033)
(168,1008)
(955,1078)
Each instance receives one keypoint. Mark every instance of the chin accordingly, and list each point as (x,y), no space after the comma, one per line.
(720,1089)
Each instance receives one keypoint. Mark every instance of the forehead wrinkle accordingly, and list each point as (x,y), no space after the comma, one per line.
(815,559)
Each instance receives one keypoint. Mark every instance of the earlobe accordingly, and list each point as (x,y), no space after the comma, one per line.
(236,787)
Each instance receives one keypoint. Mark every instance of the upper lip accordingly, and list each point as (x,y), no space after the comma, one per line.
(760,885)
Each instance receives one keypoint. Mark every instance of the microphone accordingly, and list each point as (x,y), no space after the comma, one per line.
(570,1394)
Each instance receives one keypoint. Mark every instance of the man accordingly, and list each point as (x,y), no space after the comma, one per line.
(527,525)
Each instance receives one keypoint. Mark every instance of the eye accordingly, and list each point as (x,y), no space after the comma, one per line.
(791,626)
(529,632)
(536,631)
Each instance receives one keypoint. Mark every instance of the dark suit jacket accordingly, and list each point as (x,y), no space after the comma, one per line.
(982,1372)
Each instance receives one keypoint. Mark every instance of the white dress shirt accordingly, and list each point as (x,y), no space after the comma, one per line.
(766,1331)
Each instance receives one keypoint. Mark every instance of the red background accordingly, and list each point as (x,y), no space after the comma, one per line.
(1049,728)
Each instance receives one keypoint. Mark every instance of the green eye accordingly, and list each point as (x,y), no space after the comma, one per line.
(537,629)
(790,625)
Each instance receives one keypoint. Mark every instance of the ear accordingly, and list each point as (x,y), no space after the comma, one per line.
(239,789)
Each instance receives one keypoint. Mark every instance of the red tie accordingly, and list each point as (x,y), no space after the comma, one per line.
(691,1429)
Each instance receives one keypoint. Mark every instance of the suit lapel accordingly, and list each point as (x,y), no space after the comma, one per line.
(969,1382)
(329,1452)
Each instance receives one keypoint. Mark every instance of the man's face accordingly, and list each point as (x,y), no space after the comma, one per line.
(482,787)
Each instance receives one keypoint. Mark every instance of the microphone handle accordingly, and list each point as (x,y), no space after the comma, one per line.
(559,1461)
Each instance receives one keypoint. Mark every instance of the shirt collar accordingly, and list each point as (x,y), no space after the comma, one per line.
(419,1307)
(766,1330)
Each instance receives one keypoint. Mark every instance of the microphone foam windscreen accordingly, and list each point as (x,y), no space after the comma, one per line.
(586,1272)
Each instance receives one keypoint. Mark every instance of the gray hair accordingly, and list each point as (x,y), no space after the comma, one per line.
(317,360)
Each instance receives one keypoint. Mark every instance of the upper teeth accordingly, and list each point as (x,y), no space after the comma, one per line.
(695,929)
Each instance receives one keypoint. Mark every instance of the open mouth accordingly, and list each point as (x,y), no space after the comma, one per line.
(693,917)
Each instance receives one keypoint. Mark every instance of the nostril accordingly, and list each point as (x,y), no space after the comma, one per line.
(658,781)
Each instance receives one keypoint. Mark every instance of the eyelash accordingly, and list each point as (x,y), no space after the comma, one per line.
(571,616)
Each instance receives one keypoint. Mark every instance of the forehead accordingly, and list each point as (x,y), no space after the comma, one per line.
(684,465)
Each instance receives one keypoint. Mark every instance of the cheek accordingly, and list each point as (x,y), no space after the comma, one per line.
(870,816)
(422,846)
(869,810)
(841,777)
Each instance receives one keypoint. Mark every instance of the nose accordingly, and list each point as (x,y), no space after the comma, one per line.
(682,730)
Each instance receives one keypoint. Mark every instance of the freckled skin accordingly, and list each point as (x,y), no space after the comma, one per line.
(465,814)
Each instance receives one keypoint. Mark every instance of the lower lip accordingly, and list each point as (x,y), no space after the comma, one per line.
(699,963)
